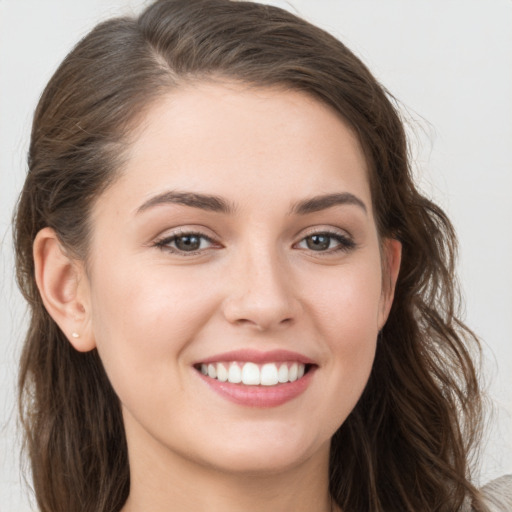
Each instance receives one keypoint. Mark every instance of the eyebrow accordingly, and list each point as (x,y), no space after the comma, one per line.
(220,205)
(323,202)
(195,200)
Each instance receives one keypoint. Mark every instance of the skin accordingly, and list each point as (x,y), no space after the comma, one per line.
(153,312)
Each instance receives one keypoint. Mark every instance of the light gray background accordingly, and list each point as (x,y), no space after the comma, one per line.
(450,64)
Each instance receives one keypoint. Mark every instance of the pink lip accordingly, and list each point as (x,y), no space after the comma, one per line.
(259,396)
(258,357)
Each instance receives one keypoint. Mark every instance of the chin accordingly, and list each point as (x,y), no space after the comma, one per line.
(266,451)
(252,463)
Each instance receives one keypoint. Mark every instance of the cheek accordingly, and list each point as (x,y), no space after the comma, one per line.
(346,311)
(346,304)
(143,319)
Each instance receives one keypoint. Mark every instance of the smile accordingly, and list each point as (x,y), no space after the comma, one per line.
(257,379)
(253,374)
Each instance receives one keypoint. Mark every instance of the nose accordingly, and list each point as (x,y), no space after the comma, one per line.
(261,293)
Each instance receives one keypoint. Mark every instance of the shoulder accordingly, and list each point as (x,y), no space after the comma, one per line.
(498,494)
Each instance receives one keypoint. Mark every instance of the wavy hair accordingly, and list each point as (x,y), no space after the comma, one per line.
(407,445)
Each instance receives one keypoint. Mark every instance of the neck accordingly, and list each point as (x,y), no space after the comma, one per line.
(228,494)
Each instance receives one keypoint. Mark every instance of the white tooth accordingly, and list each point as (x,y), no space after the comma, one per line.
(204,369)
(212,372)
(222,373)
(234,374)
(269,375)
(251,374)
(283,373)
(301,370)
(292,373)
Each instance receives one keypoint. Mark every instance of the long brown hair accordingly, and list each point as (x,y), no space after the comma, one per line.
(407,444)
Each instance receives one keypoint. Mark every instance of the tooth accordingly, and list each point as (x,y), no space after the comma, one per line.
(234,374)
(292,372)
(282,375)
(269,375)
(222,373)
(251,374)
(212,372)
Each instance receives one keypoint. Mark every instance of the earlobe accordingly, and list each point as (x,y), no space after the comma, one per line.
(63,287)
(392,257)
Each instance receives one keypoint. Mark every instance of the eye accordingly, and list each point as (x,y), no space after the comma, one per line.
(185,243)
(326,242)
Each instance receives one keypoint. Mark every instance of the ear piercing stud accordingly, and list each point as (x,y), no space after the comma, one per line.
(75,335)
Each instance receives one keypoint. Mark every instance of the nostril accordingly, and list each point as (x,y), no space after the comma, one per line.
(262,324)
(246,321)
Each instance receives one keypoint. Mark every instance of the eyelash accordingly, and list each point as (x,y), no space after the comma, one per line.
(345,243)
(164,243)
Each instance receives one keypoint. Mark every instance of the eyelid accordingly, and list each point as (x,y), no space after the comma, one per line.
(186,229)
(330,230)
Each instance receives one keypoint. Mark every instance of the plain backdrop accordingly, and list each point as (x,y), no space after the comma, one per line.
(449,62)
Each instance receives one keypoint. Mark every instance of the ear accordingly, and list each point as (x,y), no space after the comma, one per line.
(63,286)
(391,258)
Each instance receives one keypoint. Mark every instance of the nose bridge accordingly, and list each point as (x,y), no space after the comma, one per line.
(260,291)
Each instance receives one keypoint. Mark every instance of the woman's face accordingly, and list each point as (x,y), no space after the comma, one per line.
(239,241)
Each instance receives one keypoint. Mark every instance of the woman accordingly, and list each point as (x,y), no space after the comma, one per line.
(235,286)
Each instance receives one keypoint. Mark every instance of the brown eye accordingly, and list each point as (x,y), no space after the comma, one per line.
(327,242)
(318,242)
(188,242)
(185,243)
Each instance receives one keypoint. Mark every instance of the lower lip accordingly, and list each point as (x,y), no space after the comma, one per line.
(259,396)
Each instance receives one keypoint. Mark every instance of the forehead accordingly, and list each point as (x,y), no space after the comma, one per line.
(241,141)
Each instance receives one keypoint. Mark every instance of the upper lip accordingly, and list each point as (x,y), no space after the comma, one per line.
(259,357)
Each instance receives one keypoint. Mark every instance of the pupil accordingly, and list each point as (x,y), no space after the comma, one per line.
(318,242)
(188,243)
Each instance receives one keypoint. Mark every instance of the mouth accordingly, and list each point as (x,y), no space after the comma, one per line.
(253,374)
(257,379)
